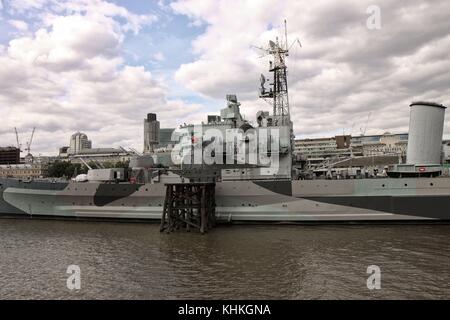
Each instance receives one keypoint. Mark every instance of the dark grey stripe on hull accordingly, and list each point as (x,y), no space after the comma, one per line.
(437,207)
(109,192)
(6,208)
(281,187)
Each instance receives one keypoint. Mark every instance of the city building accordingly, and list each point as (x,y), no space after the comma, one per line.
(385,144)
(151,133)
(319,149)
(372,152)
(23,171)
(100,155)
(342,146)
(63,151)
(165,137)
(446,151)
(156,137)
(78,142)
(81,151)
(9,155)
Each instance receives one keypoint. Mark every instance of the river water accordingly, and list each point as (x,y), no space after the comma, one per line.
(136,261)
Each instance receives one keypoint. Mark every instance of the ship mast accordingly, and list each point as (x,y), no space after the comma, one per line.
(279,88)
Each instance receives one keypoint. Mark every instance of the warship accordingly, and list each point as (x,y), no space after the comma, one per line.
(256,185)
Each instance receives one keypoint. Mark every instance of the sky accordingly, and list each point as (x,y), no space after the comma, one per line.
(100,66)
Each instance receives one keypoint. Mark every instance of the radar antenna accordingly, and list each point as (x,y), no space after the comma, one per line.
(279,88)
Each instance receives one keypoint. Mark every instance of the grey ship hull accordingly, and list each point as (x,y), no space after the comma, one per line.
(423,199)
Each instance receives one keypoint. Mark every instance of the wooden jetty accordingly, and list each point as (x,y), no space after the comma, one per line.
(189,205)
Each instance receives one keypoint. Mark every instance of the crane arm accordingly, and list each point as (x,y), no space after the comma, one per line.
(31,140)
(17,138)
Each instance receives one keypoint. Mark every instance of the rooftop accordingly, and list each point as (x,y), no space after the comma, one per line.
(8,149)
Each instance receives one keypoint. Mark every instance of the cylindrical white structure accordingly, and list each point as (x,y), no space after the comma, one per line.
(426,125)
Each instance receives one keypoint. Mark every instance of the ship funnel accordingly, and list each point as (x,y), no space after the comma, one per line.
(426,125)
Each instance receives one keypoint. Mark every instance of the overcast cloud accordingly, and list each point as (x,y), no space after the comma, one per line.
(65,65)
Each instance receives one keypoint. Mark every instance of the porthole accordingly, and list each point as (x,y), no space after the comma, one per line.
(406,184)
(431,184)
(383,185)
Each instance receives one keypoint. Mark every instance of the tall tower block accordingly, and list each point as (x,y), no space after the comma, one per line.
(151,133)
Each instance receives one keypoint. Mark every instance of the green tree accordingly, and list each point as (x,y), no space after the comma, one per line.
(67,169)
(122,164)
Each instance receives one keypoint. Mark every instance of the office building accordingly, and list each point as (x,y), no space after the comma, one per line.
(9,155)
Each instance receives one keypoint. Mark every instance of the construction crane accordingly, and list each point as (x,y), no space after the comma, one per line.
(28,143)
(363,131)
(28,148)
(19,146)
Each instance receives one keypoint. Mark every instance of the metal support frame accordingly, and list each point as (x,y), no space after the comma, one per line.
(189,205)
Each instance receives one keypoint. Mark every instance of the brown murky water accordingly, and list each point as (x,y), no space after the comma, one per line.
(135,261)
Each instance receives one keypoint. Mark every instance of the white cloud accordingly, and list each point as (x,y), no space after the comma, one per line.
(69,75)
(71,41)
(159,56)
(343,71)
(22,5)
(134,22)
(19,24)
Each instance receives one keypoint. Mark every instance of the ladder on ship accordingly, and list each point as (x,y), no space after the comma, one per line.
(189,205)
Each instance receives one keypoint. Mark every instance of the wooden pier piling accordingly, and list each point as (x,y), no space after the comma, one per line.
(189,205)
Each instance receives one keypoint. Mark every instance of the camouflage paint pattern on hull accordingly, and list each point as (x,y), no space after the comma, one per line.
(296,201)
